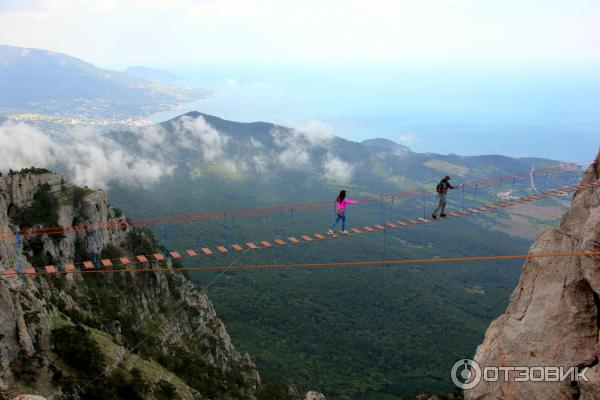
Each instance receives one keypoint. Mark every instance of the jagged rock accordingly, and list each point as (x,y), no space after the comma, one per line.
(312,395)
(24,339)
(28,397)
(163,306)
(553,315)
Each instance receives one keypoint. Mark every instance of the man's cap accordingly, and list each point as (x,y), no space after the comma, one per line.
(447,177)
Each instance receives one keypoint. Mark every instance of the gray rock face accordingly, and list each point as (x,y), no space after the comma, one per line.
(312,395)
(165,307)
(553,317)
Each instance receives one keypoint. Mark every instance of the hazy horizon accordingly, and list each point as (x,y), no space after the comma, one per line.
(450,110)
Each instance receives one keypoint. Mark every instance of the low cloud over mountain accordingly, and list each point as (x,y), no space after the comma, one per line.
(200,146)
(87,157)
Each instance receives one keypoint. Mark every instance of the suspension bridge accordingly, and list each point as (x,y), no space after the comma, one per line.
(467,206)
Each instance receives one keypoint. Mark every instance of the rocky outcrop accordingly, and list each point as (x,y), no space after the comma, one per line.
(553,318)
(160,317)
(312,395)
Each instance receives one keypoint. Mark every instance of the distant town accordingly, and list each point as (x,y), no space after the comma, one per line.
(75,121)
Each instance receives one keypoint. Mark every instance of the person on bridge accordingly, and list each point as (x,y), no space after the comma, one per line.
(442,191)
(340,212)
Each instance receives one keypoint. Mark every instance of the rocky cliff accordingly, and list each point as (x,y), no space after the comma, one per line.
(553,318)
(126,335)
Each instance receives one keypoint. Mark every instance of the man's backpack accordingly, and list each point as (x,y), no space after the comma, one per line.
(441,188)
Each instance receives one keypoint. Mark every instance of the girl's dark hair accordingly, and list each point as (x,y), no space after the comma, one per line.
(342,196)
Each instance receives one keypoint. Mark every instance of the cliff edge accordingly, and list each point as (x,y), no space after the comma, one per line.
(128,335)
(553,317)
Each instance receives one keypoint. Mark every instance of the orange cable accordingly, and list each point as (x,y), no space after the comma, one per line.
(339,264)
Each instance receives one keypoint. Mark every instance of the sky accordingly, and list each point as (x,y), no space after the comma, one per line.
(461,76)
(171,33)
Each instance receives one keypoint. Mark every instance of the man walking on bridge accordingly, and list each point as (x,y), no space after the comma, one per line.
(442,190)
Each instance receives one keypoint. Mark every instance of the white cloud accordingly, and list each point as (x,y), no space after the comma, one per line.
(150,138)
(88,158)
(294,158)
(296,144)
(337,169)
(194,133)
(316,133)
(313,134)
(231,167)
(91,158)
(255,143)
(261,164)
(231,82)
(409,138)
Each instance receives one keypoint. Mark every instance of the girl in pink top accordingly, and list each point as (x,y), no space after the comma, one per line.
(340,211)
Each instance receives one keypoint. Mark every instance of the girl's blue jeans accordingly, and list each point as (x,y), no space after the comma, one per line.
(337,219)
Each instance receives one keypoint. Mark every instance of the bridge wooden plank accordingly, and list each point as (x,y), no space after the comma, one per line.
(356,230)
(51,269)
(205,250)
(319,236)
(307,238)
(69,267)
(293,240)
(158,256)
(106,262)
(266,244)
(252,246)
(29,270)
(142,259)
(175,255)
(10,273)
(88,265)
(237,247)
(222,249)
(368,229)
(280,242)
(380,227)
(124,261)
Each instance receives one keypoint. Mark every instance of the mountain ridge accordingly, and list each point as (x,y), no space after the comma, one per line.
(86,95)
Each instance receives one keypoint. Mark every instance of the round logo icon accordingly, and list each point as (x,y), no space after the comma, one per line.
(466,374)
